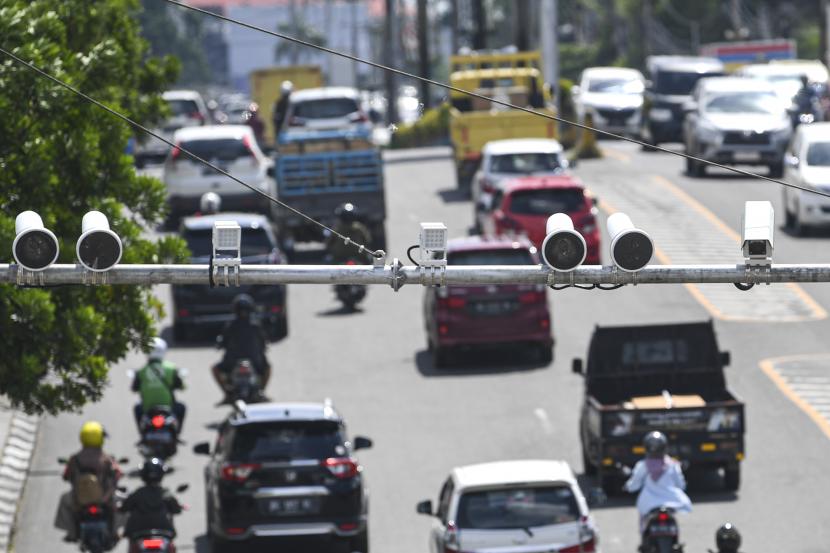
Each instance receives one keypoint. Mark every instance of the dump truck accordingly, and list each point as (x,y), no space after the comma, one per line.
(659,377)
(510,77)
(265,89)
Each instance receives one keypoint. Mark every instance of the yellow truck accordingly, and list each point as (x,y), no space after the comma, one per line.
(265,89)
(515,78)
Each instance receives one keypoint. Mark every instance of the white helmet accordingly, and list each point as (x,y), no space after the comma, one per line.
(286,87)
(159,349)
(210,203)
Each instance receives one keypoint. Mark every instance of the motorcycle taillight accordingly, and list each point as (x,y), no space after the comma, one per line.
(152,544)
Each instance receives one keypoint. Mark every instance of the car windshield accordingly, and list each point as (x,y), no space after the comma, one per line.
(674,83)
(546,202)
(224,149)
(744,102)
(525,164)
(183,107)
(255,241)
(519,507)
(518,256)
(328,108)
(818,154)
(616,86)
(282,441)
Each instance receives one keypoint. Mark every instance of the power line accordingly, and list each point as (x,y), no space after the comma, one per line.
(494,100)
(348,241)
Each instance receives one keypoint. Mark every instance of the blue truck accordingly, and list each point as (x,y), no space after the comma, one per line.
(318,171)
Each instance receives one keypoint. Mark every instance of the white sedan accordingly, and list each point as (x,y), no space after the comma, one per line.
(807,164)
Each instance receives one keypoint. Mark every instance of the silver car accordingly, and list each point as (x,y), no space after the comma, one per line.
(732,120)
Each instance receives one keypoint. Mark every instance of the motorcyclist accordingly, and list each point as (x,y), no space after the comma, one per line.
(254,121)
(91,461)
(806,98)
(727,539)
(658,478)
(281,107)
(151,507)
(210,203)
(156,382)
(349,225)
(242,338)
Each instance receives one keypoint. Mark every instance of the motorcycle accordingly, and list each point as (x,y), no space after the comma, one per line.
(154,540)
(245,383)
(350,294)
(661,533)
(95,531)
(159,429)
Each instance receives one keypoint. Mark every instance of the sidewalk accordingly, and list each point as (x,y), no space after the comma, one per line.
(18,434)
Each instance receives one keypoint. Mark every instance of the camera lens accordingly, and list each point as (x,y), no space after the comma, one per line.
(564,251)
(36,250)
(757,248)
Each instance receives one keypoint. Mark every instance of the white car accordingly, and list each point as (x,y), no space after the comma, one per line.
(613,96)
(334,108)
(511,507)
(232,148)
(807,164)
(785,79)
(502,160)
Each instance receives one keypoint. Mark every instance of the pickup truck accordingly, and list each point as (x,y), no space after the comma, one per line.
(661,377)
(515,78)
(318,171)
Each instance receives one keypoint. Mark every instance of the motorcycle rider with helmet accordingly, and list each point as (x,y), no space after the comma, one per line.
(90,460)
(281,108)
(242,338)
(156,382)
(349,225)
(658,478)
(151,507)
(727,539)
(210,203)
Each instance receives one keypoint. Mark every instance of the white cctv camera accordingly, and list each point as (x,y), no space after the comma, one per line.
(433,245)
(563,249)
(35,247)
(98,248)
(758,224)
(227,244)
(631,248)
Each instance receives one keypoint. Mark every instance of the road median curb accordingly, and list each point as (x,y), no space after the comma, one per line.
(18,434)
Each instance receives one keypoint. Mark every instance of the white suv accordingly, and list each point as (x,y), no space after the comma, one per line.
(807,164)
(232,148)
(511,507)
(316,110)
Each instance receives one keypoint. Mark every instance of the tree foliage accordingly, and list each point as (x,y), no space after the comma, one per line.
(61,156)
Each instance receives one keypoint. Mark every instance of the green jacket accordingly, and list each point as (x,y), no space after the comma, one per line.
(156,382)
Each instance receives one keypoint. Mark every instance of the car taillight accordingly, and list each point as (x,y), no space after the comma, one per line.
(351,262)
(175,153)
(453,302)
(341,467)
(487,185)
(585,547)
(238,472)
(451,544)
(152,543)
(528,298)
(296,122)
(157,421)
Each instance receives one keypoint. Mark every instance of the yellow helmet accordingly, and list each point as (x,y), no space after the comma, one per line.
(92,434)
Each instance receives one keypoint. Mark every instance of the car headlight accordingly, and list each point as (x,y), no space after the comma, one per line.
(707,132)
(660,114)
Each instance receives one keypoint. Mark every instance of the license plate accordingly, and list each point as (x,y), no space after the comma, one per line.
(663,530)
(492,307)
(158,436)
(747,156)
(288,506)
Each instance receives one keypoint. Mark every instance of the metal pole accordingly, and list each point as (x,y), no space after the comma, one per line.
(826,6)
(548,33)
(390,40)
(456,41)
(395,273)
(354,39)
(521,27)
(479,25)
(423,51)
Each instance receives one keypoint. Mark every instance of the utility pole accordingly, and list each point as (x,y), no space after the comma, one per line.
(825,5)
(521,30)
(355,52)
(423,51)
(390,59)
(479,25)
(549,40)
(455,31)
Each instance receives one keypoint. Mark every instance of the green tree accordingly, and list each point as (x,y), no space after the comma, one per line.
(61,156)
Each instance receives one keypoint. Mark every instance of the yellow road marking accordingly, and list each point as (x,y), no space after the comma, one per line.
(616,154)
(768,366)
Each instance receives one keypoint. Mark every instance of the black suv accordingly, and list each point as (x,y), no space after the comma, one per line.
(200,305)
(285,470)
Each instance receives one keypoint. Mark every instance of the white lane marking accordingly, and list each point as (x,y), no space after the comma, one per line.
(544,420)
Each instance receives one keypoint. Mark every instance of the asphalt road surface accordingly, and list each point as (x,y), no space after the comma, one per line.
(375,367)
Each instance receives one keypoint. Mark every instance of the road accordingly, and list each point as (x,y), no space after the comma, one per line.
(375,367)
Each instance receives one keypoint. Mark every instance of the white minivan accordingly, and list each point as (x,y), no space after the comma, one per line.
(531,506)
(807,164)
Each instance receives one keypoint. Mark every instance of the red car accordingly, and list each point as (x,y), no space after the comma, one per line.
(477,316)
(526,203)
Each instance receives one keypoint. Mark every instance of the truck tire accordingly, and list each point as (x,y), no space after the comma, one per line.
(611,484)
(732,478)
